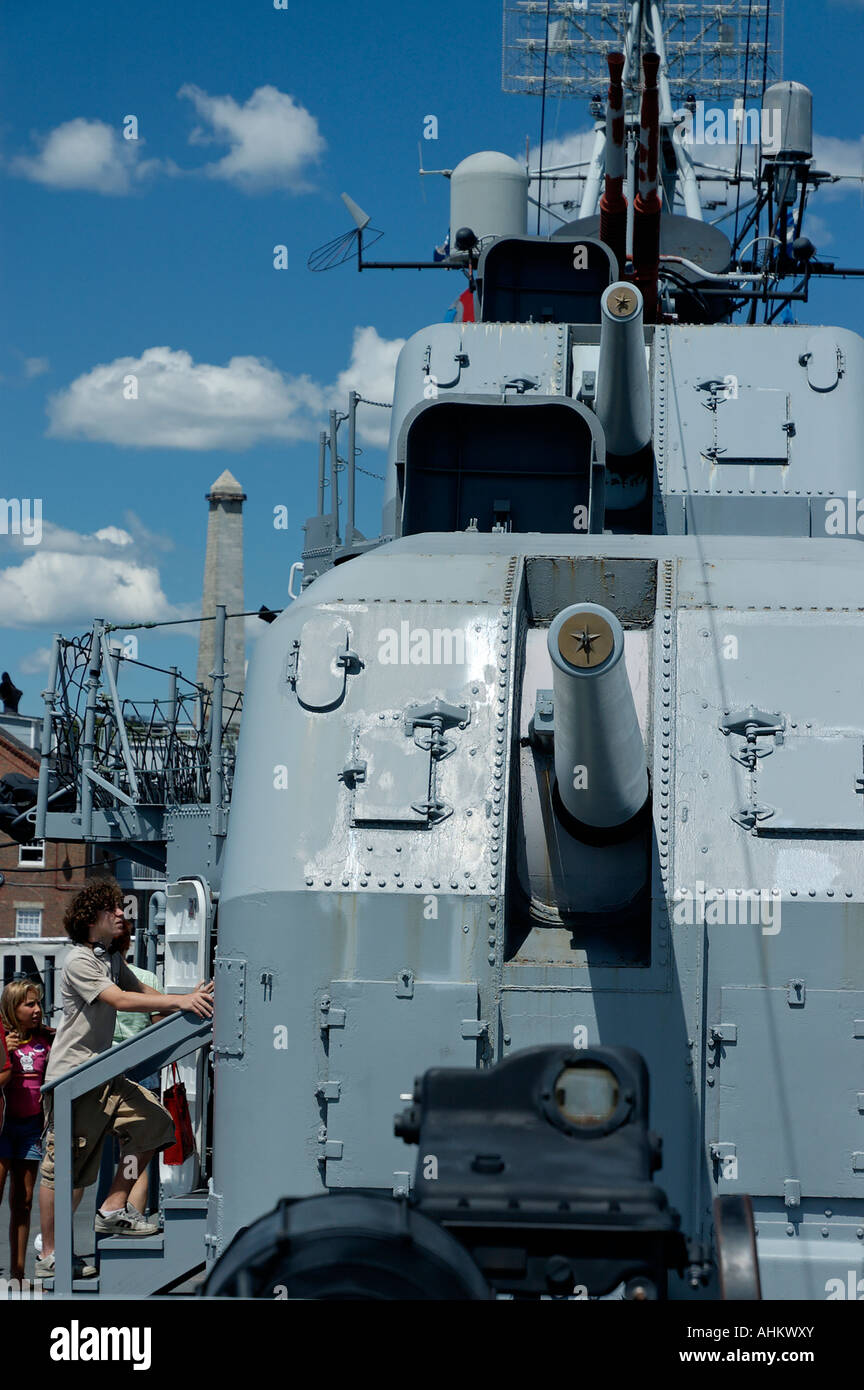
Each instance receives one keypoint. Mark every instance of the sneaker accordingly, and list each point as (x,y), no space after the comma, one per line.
(80,1268)
(126,1221)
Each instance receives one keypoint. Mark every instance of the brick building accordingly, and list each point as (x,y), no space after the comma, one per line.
(39,879)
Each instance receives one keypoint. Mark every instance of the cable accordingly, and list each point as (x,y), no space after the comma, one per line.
(543,115)
(765,56)
(177,622)
(740,143)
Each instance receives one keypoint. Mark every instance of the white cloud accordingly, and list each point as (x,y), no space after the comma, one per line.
(71,573)
(564,186)
(182,404)
(371,371)
(64,541)
(114,535)
(34,662)
(53,587)
(87,155)
(36,366)
(272,138)
(818,230)
(839,156)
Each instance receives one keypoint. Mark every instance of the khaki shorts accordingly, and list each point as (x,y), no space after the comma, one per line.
(122,1108)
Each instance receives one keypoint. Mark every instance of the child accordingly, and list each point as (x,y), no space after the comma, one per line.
(28,1044)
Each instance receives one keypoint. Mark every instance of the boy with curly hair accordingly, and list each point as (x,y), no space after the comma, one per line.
(90,999)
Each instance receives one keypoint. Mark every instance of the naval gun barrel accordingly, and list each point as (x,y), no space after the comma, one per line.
(599,754)
(623,400)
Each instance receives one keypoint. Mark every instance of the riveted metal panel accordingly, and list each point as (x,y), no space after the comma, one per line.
(751,426)
(788,1091)
(229,1014)
(389,1038)
(812,783)
(395,787)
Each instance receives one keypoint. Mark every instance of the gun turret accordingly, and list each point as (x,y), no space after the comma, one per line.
(623,391)
(599,754)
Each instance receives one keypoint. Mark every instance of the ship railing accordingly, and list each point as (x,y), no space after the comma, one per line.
(157,1046)
(122,761)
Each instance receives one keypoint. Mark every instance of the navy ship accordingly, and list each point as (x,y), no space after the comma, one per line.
(562,770)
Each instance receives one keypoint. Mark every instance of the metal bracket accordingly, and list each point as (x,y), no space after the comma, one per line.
(434,811)
(293,664)
(401,1184)
(437,714)
(588,388)
(858,1163)
(724,1033)
(725,1158)
(542,727)
(475,1028)
(753,724)
(858,1028)
(718,1036)
(405,984)
(349,661)
(796,994)
(792,1192)
(749,815)
(330,1017)
(520,384)
(328,1148)
(353,773)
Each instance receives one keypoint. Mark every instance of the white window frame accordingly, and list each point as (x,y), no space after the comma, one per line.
(29,912)
(32,863)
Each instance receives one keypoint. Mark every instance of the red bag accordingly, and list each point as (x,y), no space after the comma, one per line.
(175,1102)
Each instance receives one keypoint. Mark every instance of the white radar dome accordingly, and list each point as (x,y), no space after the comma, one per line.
(489,194)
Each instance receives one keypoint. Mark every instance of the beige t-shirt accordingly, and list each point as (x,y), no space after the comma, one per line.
(87,1025)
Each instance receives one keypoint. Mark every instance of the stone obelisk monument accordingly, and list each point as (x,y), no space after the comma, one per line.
(223,583)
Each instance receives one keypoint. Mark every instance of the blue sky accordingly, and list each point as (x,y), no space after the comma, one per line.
(155,257)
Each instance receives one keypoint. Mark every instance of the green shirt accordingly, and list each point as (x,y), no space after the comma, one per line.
(128,1025)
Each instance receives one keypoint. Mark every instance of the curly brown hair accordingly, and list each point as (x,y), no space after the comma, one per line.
(103,895)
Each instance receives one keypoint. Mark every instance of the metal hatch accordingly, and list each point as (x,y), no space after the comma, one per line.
(753,426)
(789,1073)
(392,777)
(811,783)
(385,1033)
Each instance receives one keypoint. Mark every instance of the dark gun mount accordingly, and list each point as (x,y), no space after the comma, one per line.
(543,1170)
(533,1178)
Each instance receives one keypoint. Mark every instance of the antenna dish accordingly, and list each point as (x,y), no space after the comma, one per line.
(349,244)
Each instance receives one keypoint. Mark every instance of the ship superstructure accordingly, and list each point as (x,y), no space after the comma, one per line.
(573,752)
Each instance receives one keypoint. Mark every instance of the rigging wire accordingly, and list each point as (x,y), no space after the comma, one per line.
(543,115)
(761,107)
(738,157)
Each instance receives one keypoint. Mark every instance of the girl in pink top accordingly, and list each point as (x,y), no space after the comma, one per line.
(28,1044)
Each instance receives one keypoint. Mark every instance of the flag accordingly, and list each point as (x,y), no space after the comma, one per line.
(462,309)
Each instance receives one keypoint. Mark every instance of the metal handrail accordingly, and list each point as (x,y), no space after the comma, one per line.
(154,1047)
